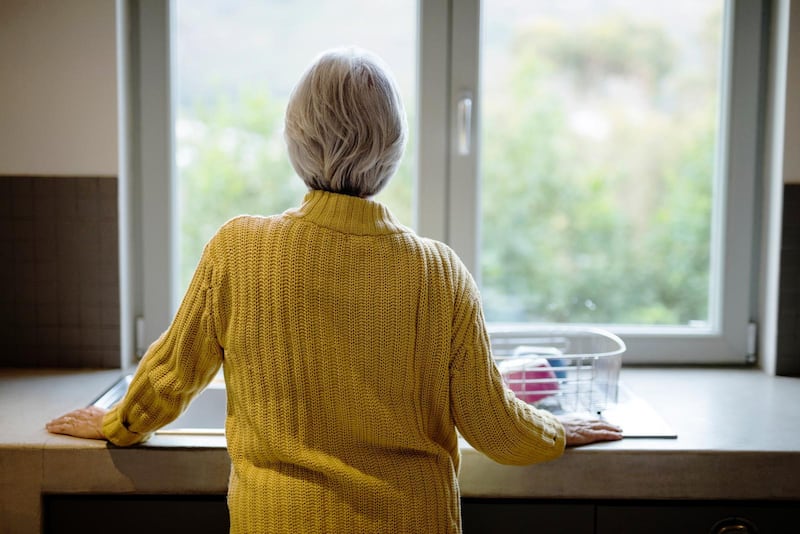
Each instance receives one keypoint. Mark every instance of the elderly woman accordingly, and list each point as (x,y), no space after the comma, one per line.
(354,350)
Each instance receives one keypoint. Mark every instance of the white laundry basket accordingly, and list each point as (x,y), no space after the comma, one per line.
(563,369)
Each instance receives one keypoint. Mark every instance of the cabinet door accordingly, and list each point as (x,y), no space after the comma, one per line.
(135,514)
(524,516)
(701,517)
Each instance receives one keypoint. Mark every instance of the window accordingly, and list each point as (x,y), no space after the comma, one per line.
(235,67)
(590,163)
(597,168)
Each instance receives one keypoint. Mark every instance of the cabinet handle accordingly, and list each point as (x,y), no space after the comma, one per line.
(464,124)
(734,525)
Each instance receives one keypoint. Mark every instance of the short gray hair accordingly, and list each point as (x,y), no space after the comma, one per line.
(345,127)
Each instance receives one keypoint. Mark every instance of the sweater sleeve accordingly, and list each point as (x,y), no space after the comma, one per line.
(175,368)
(488,414)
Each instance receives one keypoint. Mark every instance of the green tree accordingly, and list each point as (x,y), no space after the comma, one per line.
(608,230)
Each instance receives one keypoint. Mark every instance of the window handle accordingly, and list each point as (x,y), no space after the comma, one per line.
(464,124)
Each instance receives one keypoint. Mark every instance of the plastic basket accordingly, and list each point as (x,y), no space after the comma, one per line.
(561,369)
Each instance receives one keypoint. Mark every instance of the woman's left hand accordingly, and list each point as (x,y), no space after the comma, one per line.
(581,430)
(81,423)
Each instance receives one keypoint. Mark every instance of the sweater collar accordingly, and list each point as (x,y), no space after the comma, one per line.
(347,214)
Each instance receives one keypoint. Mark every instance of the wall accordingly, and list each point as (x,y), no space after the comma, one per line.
(58,105)
(791,157)
(58,258)
(58,184)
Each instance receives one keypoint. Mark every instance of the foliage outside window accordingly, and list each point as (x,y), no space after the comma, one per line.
(598,151)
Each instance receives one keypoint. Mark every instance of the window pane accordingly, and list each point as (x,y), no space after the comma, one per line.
(236,64)
(599,144)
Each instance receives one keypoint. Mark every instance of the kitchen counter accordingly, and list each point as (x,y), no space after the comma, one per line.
(738,438)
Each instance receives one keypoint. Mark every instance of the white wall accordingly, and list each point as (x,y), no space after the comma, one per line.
(58,87)
(791,156)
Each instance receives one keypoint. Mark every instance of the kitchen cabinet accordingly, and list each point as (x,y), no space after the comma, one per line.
(157,514)
(511,516)
(134,514)
(485,516)
(719,517)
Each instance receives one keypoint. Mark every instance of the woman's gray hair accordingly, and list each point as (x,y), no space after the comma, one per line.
(345,126)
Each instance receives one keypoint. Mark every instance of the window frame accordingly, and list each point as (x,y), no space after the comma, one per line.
(447,187)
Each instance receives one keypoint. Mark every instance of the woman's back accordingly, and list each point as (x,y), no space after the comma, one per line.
(337,324)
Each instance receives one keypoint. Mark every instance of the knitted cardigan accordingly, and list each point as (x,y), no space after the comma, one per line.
(354,354)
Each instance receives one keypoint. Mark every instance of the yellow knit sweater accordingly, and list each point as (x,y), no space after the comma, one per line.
(353,351)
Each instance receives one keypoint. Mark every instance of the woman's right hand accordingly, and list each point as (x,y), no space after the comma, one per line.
(583,430)
(81,423)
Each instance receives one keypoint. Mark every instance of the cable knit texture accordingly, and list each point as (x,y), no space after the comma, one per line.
(354,351)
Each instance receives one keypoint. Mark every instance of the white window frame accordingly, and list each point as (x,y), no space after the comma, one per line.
(732,303)
(447,187)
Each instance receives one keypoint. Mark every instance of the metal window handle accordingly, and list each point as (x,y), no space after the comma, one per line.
(464,124)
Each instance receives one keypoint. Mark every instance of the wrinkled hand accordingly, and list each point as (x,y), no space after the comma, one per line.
(583,430)
(81,423)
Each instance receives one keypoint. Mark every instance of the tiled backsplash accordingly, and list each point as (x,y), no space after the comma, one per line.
(789,297)
(59,264)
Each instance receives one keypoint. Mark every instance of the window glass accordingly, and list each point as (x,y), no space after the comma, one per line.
(599,143)
(236,64)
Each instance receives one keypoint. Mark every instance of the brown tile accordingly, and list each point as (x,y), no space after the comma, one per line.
(44,206)
(7,253)
(68,355)
(22,195)
(69,292)
(24,317)
(47,293)
(66,198)
(112,358)
(25,333)
(109,277)
(46,356)
(108,337)
(90,357)
(24,294)
(47,271)
(46,315)
(23,229)
(110,317)
(23,250)
(90,316)
(69,336)
(88,208)
(68,314)
(109,202)
(109,240)
(26,273)
(6,196)
(58,242)
(45,248)
(48,336)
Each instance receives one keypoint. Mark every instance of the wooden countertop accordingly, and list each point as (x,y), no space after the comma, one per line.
(738,438)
